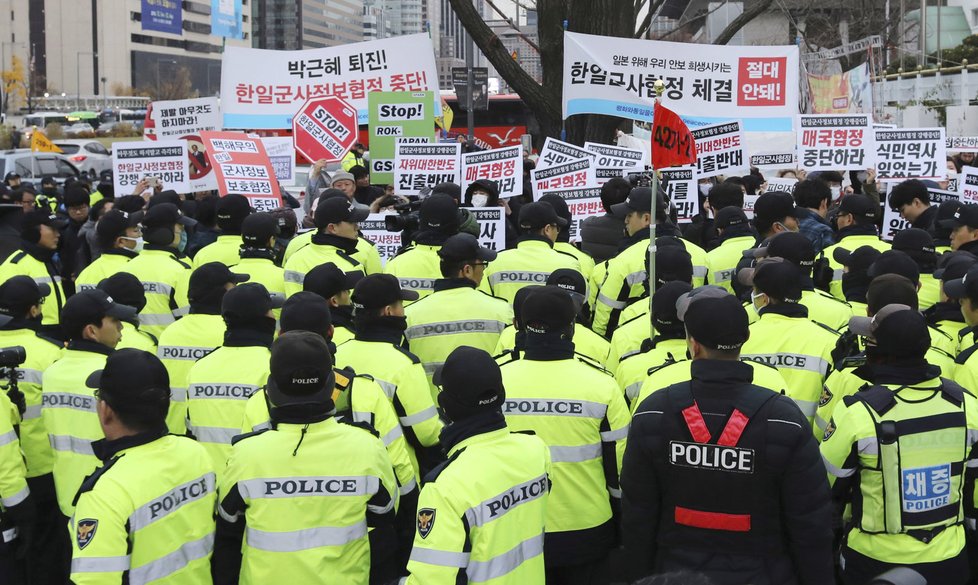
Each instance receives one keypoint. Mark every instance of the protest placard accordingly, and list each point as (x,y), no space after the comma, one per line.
(242,166)
(683,192)
(962,143)
(555,152)
(968,185)
(616,76)
(774,161)
(180,118)
(782,184)
(719,149)
(374,229)
(264,88)
(893,223)
(492,226)
(602,176)
(419,167)
(397,117)
(571,175)
(905,153)
(502,165)
(615,161)
(582,203)
(163,160)
(835,142)
(282,156)
(325,129)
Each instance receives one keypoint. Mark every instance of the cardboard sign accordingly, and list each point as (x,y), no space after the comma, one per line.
(166,160)
(242,167)
(835,142)
(502,165)
(905,153)
(719,149)
(397,117)
(419,167)
(572,175)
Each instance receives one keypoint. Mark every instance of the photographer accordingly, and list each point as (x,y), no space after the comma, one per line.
(418,266)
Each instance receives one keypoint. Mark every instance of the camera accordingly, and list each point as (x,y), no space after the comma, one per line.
(10,358)
(408,217)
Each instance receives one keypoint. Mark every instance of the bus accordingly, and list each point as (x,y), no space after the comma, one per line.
(42,119)
(506,120)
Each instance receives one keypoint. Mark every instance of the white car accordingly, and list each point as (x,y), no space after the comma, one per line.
(90,156)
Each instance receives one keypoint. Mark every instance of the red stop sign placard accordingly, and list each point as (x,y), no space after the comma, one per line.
(325,128)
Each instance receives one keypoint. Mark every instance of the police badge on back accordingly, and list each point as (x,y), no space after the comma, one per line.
(711,457)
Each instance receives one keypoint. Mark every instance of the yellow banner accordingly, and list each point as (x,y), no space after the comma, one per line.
(41,143)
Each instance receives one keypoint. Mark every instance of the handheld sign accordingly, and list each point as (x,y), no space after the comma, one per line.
(325,128)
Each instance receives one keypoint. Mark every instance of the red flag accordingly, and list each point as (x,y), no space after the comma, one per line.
(672,142)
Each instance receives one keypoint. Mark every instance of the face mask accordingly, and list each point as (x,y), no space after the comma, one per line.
(784,227)
(705,189)
(753,300)
(480,200)
(952,174)
(139,243)
(183,242)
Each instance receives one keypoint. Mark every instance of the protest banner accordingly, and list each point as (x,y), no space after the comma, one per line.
(719,149)
(242,166)
(683,192)
(180,118)
(419,167)
(830,142)
(282,156)
(962,143)
(324,129)
(848,92)
(672,144)
(162,16)
(502,165)
(615,161)
(164,161)
(226,18)
(492,226)
(616,76)
(582,203)
(602,176)
(555,152)
(264,88)
(893,223)
(374,229)
(782,184)
(905,153)
(968,185)
(397,117)
(774,161)
(571,175)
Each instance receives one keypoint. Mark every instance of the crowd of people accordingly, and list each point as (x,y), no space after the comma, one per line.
(209,394)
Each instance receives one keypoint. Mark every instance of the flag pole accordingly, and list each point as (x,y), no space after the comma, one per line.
(660,87)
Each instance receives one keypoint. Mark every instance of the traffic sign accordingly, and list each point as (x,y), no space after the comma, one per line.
(324,128)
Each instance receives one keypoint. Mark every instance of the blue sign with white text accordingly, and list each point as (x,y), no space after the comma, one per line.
(162,16)
(226,19)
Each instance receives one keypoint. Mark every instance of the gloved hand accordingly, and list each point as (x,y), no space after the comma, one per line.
(24,517)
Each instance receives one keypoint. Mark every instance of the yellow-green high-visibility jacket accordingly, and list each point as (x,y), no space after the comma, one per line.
(218,387)
(147,512)
(25,263)
(454,314)
(633,370)
(109,263)
(365,254)
(226,250)
(417,268)
(13,472)
(628,338)
(135,338)
(531,262)
(165,275)
(800,349)
(180,346)
(486,531)
(306,516)
(265,272)
(903,456)
(765,376)
(578,410)
(68,413)
(850,243)
(586,343)
(41,353)
(929,293)
(721,262)
(312,256)
(583,258)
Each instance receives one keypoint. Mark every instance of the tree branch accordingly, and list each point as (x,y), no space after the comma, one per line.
(512,24)
(647,21)
(738,23)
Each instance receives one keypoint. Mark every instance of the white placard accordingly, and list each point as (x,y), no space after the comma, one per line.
(374,229)
(555,152)
(164,159)
(281,154)
(774,161)
(180,118)
(835,142)
(576,174)
(582,203)
(502,165)
(911,153)
(418,167)
(492,227)
(719,149)
(683,192)
(962,143)
(893,223)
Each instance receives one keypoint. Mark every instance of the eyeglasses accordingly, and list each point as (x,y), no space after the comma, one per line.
(480,264)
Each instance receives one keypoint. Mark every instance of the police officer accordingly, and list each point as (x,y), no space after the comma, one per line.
(18,515)
(903,451)
(946,314)
(783,336)
(220,383)
(336,242)
(20,318)
(964,228)
(855,274)
(92,321)
(331,283)
(736,235)
(534,257)
(577,409)
(856,227)
(965,289)
(366,252)
(147,512)
(417,266)
(257,253)
(232,210)
(304,515)
(377,351)
(723,476)
(39,241)
(919,245)
(120,238)
(456,314)
(469,530)
(195,335)
(162,267)
(126,289)
(563,237)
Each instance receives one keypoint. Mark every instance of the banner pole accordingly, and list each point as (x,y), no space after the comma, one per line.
(660,87)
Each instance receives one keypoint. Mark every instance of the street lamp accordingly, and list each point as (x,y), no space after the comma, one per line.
(78,74)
